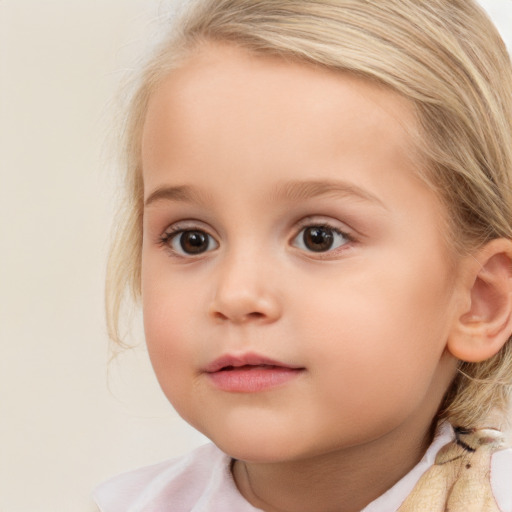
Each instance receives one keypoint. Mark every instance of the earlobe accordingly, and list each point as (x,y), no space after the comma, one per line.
(481,330)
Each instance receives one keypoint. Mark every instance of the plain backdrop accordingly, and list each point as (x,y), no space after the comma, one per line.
(68,417)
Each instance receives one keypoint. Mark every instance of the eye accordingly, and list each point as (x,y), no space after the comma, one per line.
(190,242)
(320,239)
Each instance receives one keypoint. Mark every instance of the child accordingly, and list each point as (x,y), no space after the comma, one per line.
(319,225)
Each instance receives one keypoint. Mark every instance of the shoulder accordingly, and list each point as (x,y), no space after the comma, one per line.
(199,481)
(501,478)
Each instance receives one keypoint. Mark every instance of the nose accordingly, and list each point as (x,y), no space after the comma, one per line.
(245,292)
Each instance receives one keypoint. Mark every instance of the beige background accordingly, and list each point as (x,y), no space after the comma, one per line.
(68,419)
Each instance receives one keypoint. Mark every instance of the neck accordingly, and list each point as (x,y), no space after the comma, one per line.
(344,481)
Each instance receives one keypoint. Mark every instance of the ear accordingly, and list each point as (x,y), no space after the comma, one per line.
(485,322)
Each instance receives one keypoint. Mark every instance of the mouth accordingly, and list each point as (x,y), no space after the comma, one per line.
(250,373)
(249,367)
(235,362)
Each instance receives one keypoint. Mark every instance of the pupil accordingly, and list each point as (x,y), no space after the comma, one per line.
(194,242)
(318,239)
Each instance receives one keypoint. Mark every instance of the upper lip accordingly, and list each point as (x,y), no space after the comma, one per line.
(249,359)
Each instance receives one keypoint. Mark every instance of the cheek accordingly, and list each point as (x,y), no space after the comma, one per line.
(378,333)
(166,311)
(166,302)
(173,351)
(166,315)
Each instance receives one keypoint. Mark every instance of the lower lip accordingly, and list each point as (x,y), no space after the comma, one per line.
(252,379)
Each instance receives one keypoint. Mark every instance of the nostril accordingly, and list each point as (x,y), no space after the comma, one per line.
(220,316)
(241,308)
(249,316)
(255,315)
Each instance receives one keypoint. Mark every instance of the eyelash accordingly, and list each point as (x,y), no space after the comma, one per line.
(173,232)
(348,238)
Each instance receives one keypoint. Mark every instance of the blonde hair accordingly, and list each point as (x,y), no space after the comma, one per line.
(445,56)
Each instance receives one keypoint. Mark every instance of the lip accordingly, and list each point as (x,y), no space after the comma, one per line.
(250,373)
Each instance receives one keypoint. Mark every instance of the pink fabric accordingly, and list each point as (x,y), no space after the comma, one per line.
(202,482)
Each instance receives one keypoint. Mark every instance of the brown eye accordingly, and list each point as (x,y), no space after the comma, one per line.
(192,242)
(319,239)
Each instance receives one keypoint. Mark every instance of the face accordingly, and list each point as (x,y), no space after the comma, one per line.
(297,291)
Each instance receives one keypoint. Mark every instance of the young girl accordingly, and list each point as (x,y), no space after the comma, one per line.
(319,225)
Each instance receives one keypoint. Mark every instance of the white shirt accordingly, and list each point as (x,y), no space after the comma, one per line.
(202,482)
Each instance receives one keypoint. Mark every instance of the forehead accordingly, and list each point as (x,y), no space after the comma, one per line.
(267,100)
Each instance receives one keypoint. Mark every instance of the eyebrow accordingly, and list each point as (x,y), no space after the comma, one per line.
(300,190)
(181,193)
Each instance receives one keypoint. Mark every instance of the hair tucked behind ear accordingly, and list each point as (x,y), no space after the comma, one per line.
(445,56)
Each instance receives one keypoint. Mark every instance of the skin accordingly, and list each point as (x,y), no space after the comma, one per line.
(368,321)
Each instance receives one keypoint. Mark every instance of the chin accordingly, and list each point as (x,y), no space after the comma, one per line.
(257,451)
(255,444)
